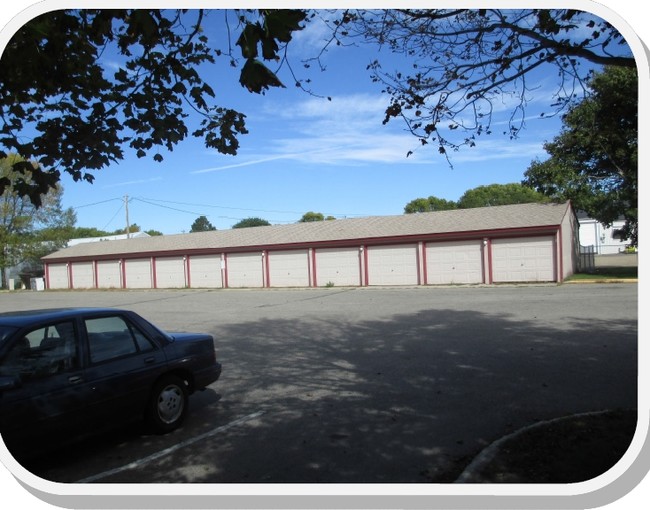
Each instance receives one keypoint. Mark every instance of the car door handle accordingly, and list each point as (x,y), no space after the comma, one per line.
(149,360)
(74,379)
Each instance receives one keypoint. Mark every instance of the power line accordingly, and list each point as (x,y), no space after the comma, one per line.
(197,213)
(167,207)
(116,213)
(96,203)
(161,203)
(212,206)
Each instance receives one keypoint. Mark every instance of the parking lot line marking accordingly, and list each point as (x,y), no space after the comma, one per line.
(171,449)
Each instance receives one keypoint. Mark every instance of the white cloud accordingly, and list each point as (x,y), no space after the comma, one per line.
(491,149)
(311,39)
(131,183)
(348,130)
(340,108)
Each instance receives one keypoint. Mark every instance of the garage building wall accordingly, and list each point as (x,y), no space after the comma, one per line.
(541,246)
(338,266)
(524,259)
(392,265)
(288,268)
(570,248)
(57,275)
(245,270)
(456,262)
(206,271)
(83,275)
(109,274)
(520,259)
(485,260)
(170,272)
(138,274)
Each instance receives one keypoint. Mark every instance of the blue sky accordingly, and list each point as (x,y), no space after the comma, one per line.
(305,153)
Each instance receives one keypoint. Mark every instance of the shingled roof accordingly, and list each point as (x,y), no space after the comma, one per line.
(520,216)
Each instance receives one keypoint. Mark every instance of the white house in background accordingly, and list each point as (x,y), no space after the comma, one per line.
(606,240)
(73,242)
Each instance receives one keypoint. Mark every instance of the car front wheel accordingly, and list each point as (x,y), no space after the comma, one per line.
(168,404)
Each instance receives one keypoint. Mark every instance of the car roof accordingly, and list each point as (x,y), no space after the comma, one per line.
(25,317)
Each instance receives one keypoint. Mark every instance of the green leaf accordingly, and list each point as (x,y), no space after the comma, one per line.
(270,49)
(281,23)
(248,40)
(256,77)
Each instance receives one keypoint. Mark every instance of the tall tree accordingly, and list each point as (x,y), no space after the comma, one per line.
(59,106)
(499,194)
(133,227)
(86,232)
(201,224)
(481,196)
(430,204)
(27,233)
(462,64)
(594,160)
(251,222)
(311,216)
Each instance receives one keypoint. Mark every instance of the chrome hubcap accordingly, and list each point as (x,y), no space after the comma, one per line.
(170,404)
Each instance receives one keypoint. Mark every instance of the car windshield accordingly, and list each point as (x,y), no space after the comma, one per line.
(5,332)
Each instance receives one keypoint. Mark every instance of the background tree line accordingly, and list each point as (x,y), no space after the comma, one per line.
(202,224)
(27,232)
(481,196)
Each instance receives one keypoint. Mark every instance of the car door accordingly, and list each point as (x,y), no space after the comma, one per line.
(123,364)
(46,396)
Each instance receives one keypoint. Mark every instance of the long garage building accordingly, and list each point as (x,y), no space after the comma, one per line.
(513,243)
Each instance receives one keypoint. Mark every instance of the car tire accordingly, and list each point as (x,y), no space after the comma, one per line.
(168,404)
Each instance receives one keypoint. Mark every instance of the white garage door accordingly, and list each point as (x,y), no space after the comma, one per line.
(109,274)
(289,268)
(528,259)
(170,273)
(393,265)
(338,266)
(83,275)
(454,262)
(244,270)
(138,273)
(205,271)
(58,276)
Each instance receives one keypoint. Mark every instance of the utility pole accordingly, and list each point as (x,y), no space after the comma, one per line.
(126,207)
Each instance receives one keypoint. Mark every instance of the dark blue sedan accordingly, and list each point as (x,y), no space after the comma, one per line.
(66,373)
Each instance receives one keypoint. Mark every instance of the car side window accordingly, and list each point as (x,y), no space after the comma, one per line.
(112,337)
(42,352)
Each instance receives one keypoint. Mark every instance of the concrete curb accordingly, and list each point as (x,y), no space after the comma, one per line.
(608,280)
(472,473)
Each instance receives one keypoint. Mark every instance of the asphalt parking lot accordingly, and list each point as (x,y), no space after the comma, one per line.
(365,385)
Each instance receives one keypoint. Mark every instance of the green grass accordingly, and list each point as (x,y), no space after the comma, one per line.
(608,273)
